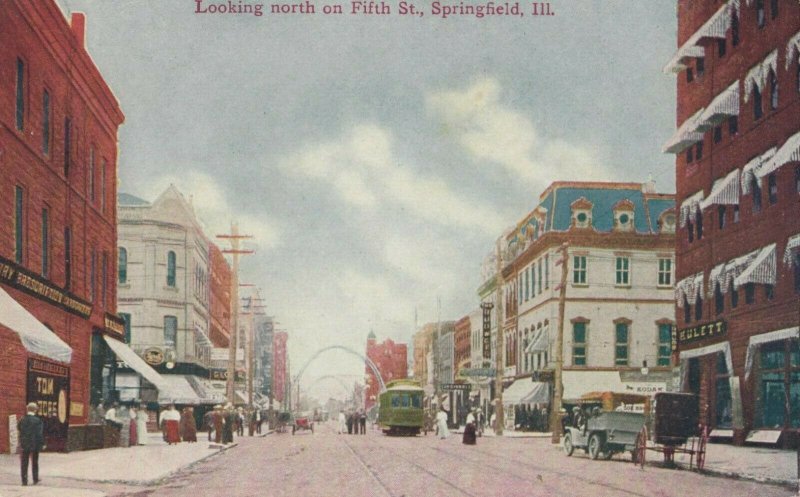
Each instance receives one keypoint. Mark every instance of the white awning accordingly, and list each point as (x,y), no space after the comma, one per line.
(715,27)
(524,391)
(757,76)
(724,105)
(750,170)
(757,340)
(180,391)
(689,287)
(761,270)
(727,272)
(691,206)
(789,152)
(792,50)
(132,359)
(724,191)
(791,245)
(539,342)
(686,135)
(35,337)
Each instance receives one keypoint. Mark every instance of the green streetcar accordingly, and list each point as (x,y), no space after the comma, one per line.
(400,411)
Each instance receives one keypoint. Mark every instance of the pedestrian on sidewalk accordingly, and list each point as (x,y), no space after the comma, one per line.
(441,423)
(362,422)
(31,439)
(240,422)
(141,425)
(170,424)
(133,438)
(219,423)
(230,423)
(188,425)
(342,422)
(469,437)
(258,420)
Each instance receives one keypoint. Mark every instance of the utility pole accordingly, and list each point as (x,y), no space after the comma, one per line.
(558,385)
(235,251)
(500,346)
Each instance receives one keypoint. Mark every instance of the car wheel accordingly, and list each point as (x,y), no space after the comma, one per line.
(568,447)
(595,446)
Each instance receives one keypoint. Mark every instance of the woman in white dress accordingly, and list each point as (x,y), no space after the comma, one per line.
(141,425)
(441,423)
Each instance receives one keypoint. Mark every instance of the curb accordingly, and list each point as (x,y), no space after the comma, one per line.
(719,473)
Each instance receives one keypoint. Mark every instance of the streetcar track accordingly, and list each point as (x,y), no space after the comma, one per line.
(537,468)
(372,474)
(415,464)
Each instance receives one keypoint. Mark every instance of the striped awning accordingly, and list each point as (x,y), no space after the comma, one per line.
(725,191)
(691,206)
(792,245)
(725,273)
(751,168)
(689,287)
(724,105)
(789,152)
(539,342)
(792,50)
(762,269)
(757,76)
(686,135)
(715,27)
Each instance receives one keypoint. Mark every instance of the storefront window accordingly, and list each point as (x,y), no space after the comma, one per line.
(103,372)
(778,388)
(723,394)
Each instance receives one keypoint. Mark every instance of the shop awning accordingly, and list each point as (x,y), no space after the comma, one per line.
(179,391)
(539,342)
(524,391)
(761,269)
(132,359)
(724,192)
(758,340)
(35,337)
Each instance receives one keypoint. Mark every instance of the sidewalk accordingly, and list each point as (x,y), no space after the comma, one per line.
(141,465)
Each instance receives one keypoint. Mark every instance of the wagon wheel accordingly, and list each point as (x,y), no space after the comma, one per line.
(640,449)
(595,446)
(701,448)
(568,447)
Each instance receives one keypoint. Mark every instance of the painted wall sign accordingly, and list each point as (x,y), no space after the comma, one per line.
(21,279)
(114,325)
(48,386)
(702,332)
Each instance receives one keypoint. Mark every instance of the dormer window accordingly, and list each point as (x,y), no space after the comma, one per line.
(582,213)
(623,215)
(666,223)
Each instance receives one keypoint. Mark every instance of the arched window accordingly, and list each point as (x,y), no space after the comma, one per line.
(123,265)
(773,90)
(171,268)
(758,109)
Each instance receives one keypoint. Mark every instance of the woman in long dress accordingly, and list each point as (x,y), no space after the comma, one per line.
(188,425)
(170,423)
(469,437)
(132,428)
(141,425)
(441,424)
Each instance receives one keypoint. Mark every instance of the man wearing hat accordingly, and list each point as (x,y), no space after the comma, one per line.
(31,439)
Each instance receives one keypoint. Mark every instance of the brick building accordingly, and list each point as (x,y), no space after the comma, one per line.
(219,304)
(280,367)
(58,156)
(737,172)
(391,359)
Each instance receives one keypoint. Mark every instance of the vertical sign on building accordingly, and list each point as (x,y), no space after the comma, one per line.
(487,329)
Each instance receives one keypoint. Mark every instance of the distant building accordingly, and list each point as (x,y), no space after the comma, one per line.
(737,166)
(220,276)
(391,359)
(280,371)
(58,158)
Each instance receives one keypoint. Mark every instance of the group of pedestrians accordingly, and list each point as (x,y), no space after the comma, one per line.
(353,422)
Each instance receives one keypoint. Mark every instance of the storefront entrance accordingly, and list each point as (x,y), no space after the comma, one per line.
(778,385)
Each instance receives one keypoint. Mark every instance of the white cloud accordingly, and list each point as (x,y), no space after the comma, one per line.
(362,168)
(213,209)
(491,131)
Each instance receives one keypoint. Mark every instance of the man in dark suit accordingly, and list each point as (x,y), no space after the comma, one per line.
(31,439)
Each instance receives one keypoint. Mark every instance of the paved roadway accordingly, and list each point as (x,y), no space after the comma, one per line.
(328,464)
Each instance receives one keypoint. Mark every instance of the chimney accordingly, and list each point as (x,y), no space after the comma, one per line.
(79,27)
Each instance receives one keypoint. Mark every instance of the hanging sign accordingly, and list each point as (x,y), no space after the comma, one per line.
(487,329)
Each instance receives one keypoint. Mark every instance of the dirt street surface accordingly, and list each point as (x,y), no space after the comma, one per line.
(328,464)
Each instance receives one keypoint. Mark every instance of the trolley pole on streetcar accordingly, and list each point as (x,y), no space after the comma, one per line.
(558,385)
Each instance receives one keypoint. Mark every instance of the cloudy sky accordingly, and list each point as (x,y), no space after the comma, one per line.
(375,159)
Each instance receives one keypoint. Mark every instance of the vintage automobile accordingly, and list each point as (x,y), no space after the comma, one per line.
(303,421)
(605,423)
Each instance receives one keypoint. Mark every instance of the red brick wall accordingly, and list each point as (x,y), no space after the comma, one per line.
(80,93)
(220,301)
(461,338)
(774,223)
(391,359)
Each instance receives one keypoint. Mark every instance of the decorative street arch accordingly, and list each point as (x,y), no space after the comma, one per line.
(366,359)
